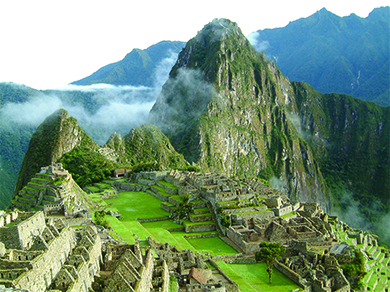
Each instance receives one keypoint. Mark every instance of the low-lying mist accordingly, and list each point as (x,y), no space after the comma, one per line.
(100,109)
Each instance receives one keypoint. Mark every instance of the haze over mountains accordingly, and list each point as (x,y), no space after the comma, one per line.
(334,54)
(228,109)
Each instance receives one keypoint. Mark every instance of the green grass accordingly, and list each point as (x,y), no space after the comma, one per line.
(134,205)
(169,185)
(93,189)
(213,245)
(189,223)
(166,224)
(254,278)
(103,185)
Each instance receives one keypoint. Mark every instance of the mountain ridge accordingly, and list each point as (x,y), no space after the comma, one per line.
(251,120)
(143,62)
(334,54)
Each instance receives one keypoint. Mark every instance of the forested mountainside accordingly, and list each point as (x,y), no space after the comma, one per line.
(60,139)
(100,109)
(228,109)
(334,54)
(136,68)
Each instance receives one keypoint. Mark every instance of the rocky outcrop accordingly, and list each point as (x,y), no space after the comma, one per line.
(57,135)
(226,108)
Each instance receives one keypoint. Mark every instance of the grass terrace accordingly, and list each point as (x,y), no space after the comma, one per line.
(254,278)
(168,184)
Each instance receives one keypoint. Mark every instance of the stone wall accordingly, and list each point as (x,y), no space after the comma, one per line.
(283,211)
(262,215)
(146,273)
(88,269)
(47,265)
(232,286)
(156,219)
(20,235)
(199,228)
(297,279)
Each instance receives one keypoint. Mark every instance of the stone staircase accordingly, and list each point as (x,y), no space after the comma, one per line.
(200,221)
(28,197)
(378,277)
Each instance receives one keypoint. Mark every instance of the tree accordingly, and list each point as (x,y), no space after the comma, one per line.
(269,252)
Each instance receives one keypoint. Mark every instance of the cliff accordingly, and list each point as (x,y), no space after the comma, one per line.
(57,135)
(226,108)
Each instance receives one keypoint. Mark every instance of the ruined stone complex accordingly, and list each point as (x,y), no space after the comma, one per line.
(53,191)
(59,248)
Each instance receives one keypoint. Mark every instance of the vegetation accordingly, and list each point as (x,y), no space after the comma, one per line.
(333,61)
(355,271)
(184,209)
(136,68)
(269,252)
(100,218)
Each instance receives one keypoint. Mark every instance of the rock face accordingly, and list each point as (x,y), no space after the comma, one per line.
(147,144)
(57,135)
(227,108)
(60,139)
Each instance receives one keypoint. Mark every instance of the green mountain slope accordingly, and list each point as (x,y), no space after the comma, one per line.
(334,54)
(136,68)
(57,135)
(13,140)
(225,107)
(228,109)
(60,139)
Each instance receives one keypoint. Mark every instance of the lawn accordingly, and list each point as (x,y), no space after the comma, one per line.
(213,245)
(134,205)
(254,278)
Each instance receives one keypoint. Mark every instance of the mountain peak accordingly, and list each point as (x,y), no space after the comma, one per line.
(218,29)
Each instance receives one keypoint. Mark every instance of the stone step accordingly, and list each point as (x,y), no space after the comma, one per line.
(34,185)
(201,217)
(27,201)
(30,190)
(40,181)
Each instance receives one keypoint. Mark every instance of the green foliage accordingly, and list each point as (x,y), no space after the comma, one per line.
(152,166)
(99,218)
(185,208)
(269,252)
(147,146)
(87,166)
(225,221)
(355,271)
(335,54)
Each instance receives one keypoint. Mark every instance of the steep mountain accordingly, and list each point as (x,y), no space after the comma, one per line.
(60,139)
(14,140)
(136,68)
(57,135)
(334,54)
(228,109)
(349,138)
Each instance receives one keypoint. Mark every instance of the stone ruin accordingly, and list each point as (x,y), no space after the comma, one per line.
(191,271)
(52,191)
(41,254)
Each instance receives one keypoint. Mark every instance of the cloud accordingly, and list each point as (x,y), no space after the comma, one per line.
(260,46)
(100,109)
(351,213)
(182,100)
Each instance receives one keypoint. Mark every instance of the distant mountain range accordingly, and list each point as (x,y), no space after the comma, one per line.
(137,68)
(334,54)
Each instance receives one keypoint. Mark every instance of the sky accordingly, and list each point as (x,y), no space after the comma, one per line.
(48,44)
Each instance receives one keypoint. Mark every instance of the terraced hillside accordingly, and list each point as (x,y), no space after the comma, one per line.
(149,205)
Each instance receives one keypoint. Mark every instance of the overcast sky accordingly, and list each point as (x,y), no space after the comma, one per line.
(48,44)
